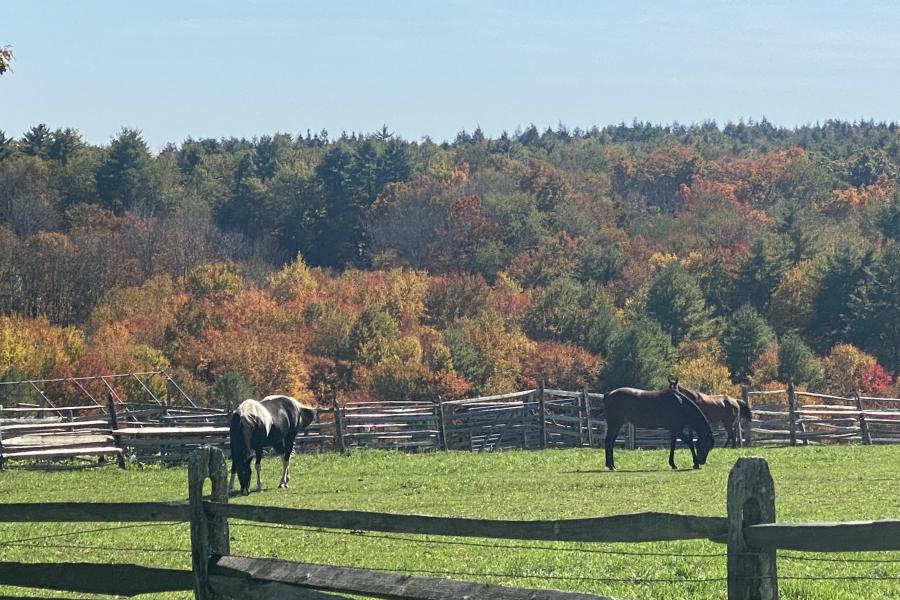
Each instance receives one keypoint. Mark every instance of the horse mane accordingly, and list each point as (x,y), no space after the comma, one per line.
(699,423)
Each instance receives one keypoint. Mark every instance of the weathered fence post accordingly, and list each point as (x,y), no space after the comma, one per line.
(170,393)
(745,396)
(114,427)
(209,536)
(339,426)
(587,417)
(752,573)
(524,421)
(792,413)
(863,425)
(445,445)
(1,449)
(543,407)
(630,436)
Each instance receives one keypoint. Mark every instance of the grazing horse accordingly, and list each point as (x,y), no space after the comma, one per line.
(721,408)
(272,422)
(659,409)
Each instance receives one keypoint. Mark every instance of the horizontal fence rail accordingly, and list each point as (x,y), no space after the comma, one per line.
(860,536)
(642,527)
(93,512)
(748,529)
(245,577)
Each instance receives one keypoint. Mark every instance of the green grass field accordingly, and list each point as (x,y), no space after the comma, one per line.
(812,484)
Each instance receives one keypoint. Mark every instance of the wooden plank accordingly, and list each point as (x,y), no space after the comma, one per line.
(252,572)
(170,431)
(641,527)
(562,393)
(766,392)
(488,398)
(851,536)
(822,396)
(93,512)
(64,446)
(95,578)
(383,423)
(58,437)
(389,433)
(61,453)
(239,586)
(62,426)
(91,407)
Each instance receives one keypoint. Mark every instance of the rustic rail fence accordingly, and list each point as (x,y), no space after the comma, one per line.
(168,426)
(791,417)
(748,530)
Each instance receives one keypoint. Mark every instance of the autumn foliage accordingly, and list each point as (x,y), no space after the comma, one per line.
(372,267)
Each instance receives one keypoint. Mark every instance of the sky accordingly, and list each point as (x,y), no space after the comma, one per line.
(223,68)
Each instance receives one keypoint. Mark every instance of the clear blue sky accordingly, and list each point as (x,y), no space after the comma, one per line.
(245,68)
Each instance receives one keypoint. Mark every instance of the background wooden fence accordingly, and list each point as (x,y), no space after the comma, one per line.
(748,530)
(168,426)
(790,417)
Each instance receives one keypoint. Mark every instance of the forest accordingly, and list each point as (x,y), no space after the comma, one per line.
(366,266)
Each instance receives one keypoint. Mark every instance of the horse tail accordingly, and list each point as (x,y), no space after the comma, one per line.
(745,410)
(236,437)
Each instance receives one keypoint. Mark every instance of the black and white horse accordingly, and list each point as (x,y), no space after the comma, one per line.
(272,422)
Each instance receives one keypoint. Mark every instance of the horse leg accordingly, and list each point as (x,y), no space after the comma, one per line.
(612,432)
(688,438)
(286,464)
(729,427)
(259,487)
(672,450)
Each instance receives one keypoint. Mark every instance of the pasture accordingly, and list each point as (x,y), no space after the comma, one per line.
(827,483)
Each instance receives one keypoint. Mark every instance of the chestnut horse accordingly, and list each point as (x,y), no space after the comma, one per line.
(272,422)
(659,409)
(720,408)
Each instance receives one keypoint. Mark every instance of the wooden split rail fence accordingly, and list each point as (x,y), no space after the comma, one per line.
(748,529)
(806,418)
(531,419)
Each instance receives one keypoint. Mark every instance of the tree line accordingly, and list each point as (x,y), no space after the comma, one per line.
(372,265)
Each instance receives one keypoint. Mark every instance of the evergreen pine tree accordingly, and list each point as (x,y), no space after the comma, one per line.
(747,335)
(874,309)
(796,362)
(676,301)
(844,272)
(640,355)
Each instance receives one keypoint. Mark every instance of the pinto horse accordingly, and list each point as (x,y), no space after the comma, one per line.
(272,422)
(721,408)
(658,409)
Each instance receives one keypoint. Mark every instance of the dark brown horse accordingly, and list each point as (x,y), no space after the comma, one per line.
(272,422)
(659,409)
(721,408)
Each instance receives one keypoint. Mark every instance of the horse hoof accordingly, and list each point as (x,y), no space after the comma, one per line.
(245,492)
(674,468)
(696,466)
